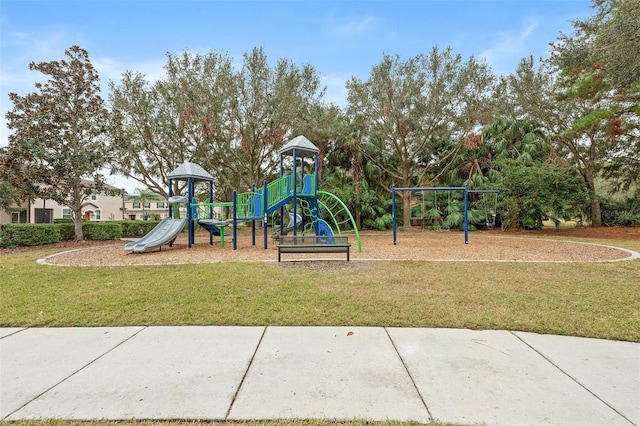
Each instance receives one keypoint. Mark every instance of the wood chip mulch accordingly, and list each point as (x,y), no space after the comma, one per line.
(545,246)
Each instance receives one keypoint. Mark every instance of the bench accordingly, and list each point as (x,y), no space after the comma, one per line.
(313,244)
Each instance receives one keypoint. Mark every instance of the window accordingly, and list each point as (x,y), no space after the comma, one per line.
(94,196)
(147,205)
(19,217)
(160,205)
(136,205)
(98,214)
(132,217)
(66,213)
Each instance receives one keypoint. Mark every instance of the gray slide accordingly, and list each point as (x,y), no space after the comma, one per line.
(164,233)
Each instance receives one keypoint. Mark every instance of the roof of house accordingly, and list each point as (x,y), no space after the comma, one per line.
(89,183)
(302,145)
(190,170)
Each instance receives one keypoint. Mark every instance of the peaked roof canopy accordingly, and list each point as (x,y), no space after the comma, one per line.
(302,145)
(190,170)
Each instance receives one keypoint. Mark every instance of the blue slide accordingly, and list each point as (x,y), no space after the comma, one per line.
(164,233)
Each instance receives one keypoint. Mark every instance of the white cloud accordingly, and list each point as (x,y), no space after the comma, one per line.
(111,70)
(351,27)
(510,47)
(336,90)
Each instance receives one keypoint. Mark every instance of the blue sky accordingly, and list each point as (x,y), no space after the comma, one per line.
(340,39)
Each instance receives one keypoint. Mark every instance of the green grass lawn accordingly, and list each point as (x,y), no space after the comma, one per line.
(581,299)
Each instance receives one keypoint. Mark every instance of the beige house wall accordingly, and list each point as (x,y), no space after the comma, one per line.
(153,209)
(100,208)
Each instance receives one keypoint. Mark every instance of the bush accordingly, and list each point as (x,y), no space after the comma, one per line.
(62,220)
(137,228)
(15,235)
(102,231)
(620,213)
(67,231)
(530,194)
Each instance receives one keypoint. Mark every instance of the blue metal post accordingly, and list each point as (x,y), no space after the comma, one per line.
(254,214)
(287,191)
(317,174)
(211,213)
(235,219)
(393,212)
(170,195)
(189,212)
(265,221)
(295,192)
(466,214)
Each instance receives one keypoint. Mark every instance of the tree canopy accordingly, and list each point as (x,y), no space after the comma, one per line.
(229,121)
(60,140)
(433,119)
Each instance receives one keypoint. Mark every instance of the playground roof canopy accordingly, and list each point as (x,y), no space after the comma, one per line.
(190,170)
(302,145)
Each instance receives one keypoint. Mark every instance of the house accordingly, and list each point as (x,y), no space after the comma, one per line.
(100,208)
(151,210)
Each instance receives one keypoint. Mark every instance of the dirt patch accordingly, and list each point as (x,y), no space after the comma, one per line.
(411,245)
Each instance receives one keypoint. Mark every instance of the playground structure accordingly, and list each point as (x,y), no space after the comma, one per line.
(293,193)
(465,214)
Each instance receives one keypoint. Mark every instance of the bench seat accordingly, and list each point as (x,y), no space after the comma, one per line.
(313,244)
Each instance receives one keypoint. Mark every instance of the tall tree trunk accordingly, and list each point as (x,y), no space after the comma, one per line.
(406,197)
(406,209)
(77,222)
(596,214)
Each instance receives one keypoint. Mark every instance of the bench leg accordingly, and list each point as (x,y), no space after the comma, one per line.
(347,254)
(278,254)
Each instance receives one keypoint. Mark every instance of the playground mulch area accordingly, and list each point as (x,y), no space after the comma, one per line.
(537,246)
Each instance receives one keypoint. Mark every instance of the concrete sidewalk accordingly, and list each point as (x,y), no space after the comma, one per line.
(248,373)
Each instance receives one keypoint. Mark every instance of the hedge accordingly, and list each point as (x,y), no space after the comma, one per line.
(15,235)
(67,231)
(136,228)
(101,231)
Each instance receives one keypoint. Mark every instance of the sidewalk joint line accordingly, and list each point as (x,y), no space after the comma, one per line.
(572,378)
(246,372)
(74,373)
(15,332)
(415,385)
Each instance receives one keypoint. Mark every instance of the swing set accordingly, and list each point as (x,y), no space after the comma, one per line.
(434,213)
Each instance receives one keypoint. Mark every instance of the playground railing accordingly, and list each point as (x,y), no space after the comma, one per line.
(248,206)
(207,210)
(279,190)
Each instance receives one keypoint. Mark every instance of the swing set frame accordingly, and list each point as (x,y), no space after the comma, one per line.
(465,190)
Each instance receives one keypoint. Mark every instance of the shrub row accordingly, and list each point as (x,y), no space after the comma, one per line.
(16,235)
(620,212)
(13,235)
(136,228)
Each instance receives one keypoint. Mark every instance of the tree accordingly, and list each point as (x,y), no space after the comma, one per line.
(502,144)
(59,143)
(9,198)
(409,107)
(529,193)
(599,85)
(183,117)
(230,122)
(143,196)
(268,105)
(576,113)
